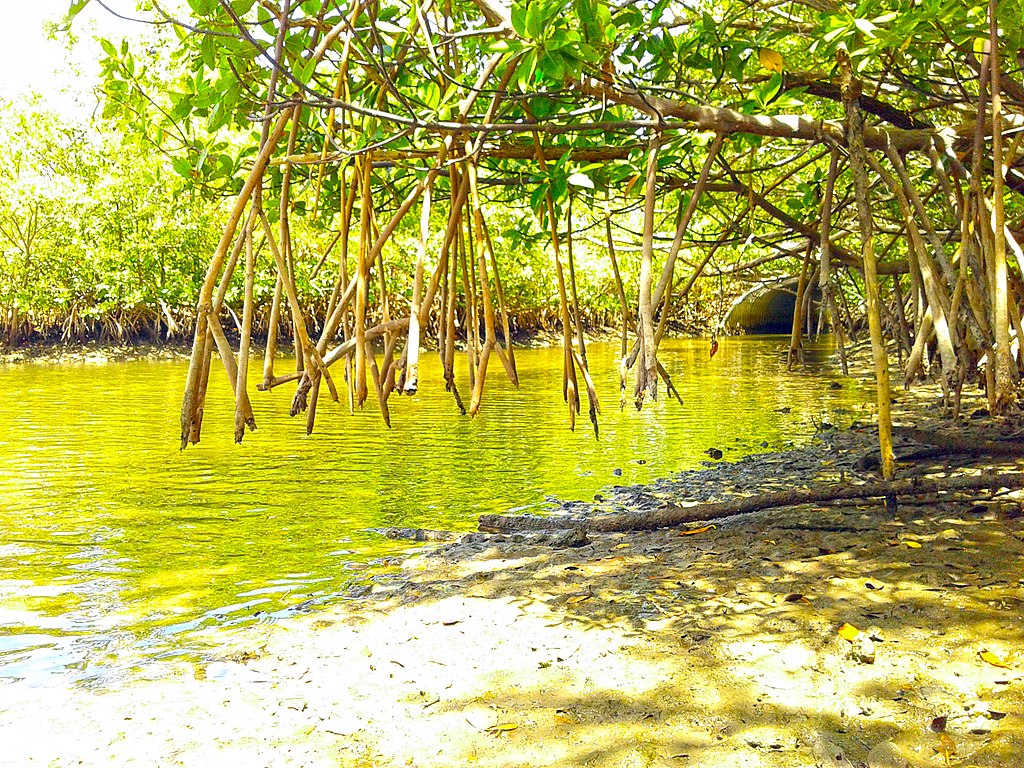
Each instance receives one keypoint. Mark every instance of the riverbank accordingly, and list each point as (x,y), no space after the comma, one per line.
(94,351)
(703,647)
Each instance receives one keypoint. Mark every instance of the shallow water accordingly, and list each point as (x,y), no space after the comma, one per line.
(116,547)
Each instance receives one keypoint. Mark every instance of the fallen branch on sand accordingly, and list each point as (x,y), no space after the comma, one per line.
(417,534)
(558,538)
(671,515)
(940,445)
(961,444)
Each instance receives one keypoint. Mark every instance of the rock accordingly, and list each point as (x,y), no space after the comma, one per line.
(577,537)
(863,648)
(887,755)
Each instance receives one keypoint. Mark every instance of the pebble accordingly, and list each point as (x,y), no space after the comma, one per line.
(863,648)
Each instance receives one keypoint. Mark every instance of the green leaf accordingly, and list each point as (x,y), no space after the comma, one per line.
(182,167)
(771,88)
(519,19)
(550,65)
(534,20)
(430,94)
(208,51)
(525,70)
(538,198)
(559,190)
(74,9)
(304,71)
(203,7)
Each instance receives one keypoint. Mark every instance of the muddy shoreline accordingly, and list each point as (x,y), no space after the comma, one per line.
(721,647)
(99,351)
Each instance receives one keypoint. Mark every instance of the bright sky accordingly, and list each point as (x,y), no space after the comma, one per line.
(30,61)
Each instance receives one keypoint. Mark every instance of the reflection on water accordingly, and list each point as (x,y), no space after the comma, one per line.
(114,545)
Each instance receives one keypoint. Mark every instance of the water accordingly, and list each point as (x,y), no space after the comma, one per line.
(116,547)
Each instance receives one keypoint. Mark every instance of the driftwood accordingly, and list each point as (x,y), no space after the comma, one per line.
(940,445)
(952,444)
(417,534)
(668,516)
(570,537)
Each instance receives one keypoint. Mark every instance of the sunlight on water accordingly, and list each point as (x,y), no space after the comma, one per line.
(114,545)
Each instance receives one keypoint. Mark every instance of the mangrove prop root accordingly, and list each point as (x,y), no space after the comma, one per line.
(668,516)
(363,148)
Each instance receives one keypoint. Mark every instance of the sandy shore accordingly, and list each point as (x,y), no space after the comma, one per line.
(716,648)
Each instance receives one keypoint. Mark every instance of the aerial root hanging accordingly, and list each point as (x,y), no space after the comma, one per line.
(946,307)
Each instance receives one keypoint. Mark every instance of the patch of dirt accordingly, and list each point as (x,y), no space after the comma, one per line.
(829,635)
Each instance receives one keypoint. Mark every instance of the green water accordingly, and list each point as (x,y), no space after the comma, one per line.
(116,547)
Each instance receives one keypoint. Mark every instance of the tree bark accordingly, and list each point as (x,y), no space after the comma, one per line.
(647,372)
(858,167)
(1004,394)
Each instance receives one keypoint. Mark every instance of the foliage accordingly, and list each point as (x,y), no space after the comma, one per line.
(719,123)
(95,237)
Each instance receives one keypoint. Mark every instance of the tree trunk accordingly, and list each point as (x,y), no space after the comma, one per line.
(858,167)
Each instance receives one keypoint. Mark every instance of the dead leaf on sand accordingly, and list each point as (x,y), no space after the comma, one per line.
(994,659)
(499,728)
(849,632)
